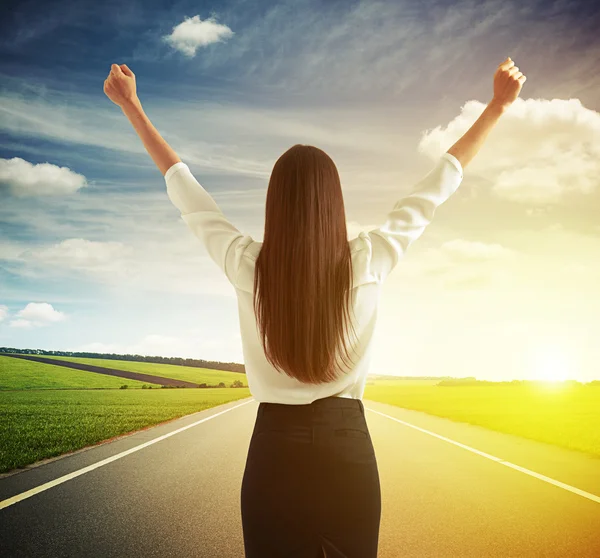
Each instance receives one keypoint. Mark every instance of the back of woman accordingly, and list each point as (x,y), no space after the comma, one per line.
(307,300)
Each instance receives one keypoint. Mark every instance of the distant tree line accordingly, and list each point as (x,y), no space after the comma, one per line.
(234,384)
(393,377)
(471,381)
(198,363)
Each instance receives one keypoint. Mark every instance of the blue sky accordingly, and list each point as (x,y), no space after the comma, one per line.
(94,257)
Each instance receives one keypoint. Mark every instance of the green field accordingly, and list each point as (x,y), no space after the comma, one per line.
(563,415)
(45,423)
(47,410)
(16,373)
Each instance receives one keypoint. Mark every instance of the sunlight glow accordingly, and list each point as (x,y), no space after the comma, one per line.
(551,364)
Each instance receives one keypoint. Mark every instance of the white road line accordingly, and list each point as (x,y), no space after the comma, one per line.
(65,478)
(568,487)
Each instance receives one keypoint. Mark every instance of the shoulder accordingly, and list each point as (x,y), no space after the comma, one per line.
(361,242)
(252,250)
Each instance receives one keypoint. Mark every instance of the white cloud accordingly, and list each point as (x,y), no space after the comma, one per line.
(539,151)
(193,33)
(21,324)
(460,250)
(461,263)
(3,312)
(180,266)
(44,179)
(37,314)
(78,253)
(551,259)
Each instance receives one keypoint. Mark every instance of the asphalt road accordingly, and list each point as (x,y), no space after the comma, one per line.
(448,490)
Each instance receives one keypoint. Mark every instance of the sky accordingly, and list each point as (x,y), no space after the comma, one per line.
(504,283)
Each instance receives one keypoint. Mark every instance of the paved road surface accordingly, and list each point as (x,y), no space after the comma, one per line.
(448,490)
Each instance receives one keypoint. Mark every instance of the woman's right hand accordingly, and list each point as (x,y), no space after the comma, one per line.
(508,82)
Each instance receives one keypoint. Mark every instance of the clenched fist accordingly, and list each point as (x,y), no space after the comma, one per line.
(508,82)
(120,85)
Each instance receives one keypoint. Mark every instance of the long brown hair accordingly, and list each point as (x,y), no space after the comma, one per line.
(303,275)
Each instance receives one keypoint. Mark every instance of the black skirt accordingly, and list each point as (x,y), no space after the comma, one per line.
(311,485)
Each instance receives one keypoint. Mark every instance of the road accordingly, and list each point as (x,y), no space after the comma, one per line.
(448,490)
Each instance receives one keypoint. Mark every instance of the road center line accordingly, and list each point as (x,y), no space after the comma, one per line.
(568,487)
(42,487)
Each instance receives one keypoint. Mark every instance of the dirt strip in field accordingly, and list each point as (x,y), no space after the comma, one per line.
(108,371)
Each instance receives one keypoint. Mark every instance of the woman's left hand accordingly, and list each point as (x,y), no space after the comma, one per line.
(119,86)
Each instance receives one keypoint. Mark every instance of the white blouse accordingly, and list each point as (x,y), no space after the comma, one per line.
(374,255)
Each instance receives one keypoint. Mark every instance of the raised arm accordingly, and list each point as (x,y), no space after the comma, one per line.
(508,81)
(224,243)
(411,214)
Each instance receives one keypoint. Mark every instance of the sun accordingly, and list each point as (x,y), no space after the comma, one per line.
(551,364)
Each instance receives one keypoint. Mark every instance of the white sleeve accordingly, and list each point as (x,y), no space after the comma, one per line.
(411,215)
(224,243)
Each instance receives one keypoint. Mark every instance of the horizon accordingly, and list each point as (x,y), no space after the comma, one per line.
(372,376)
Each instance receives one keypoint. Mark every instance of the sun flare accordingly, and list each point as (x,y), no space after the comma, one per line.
(551,364)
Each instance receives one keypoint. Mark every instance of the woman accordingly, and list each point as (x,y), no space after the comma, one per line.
(311,484)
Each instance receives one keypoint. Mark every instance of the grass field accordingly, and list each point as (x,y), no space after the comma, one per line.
(44,423)
(48,410)
(563,415)
(41,419)
(15,374)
